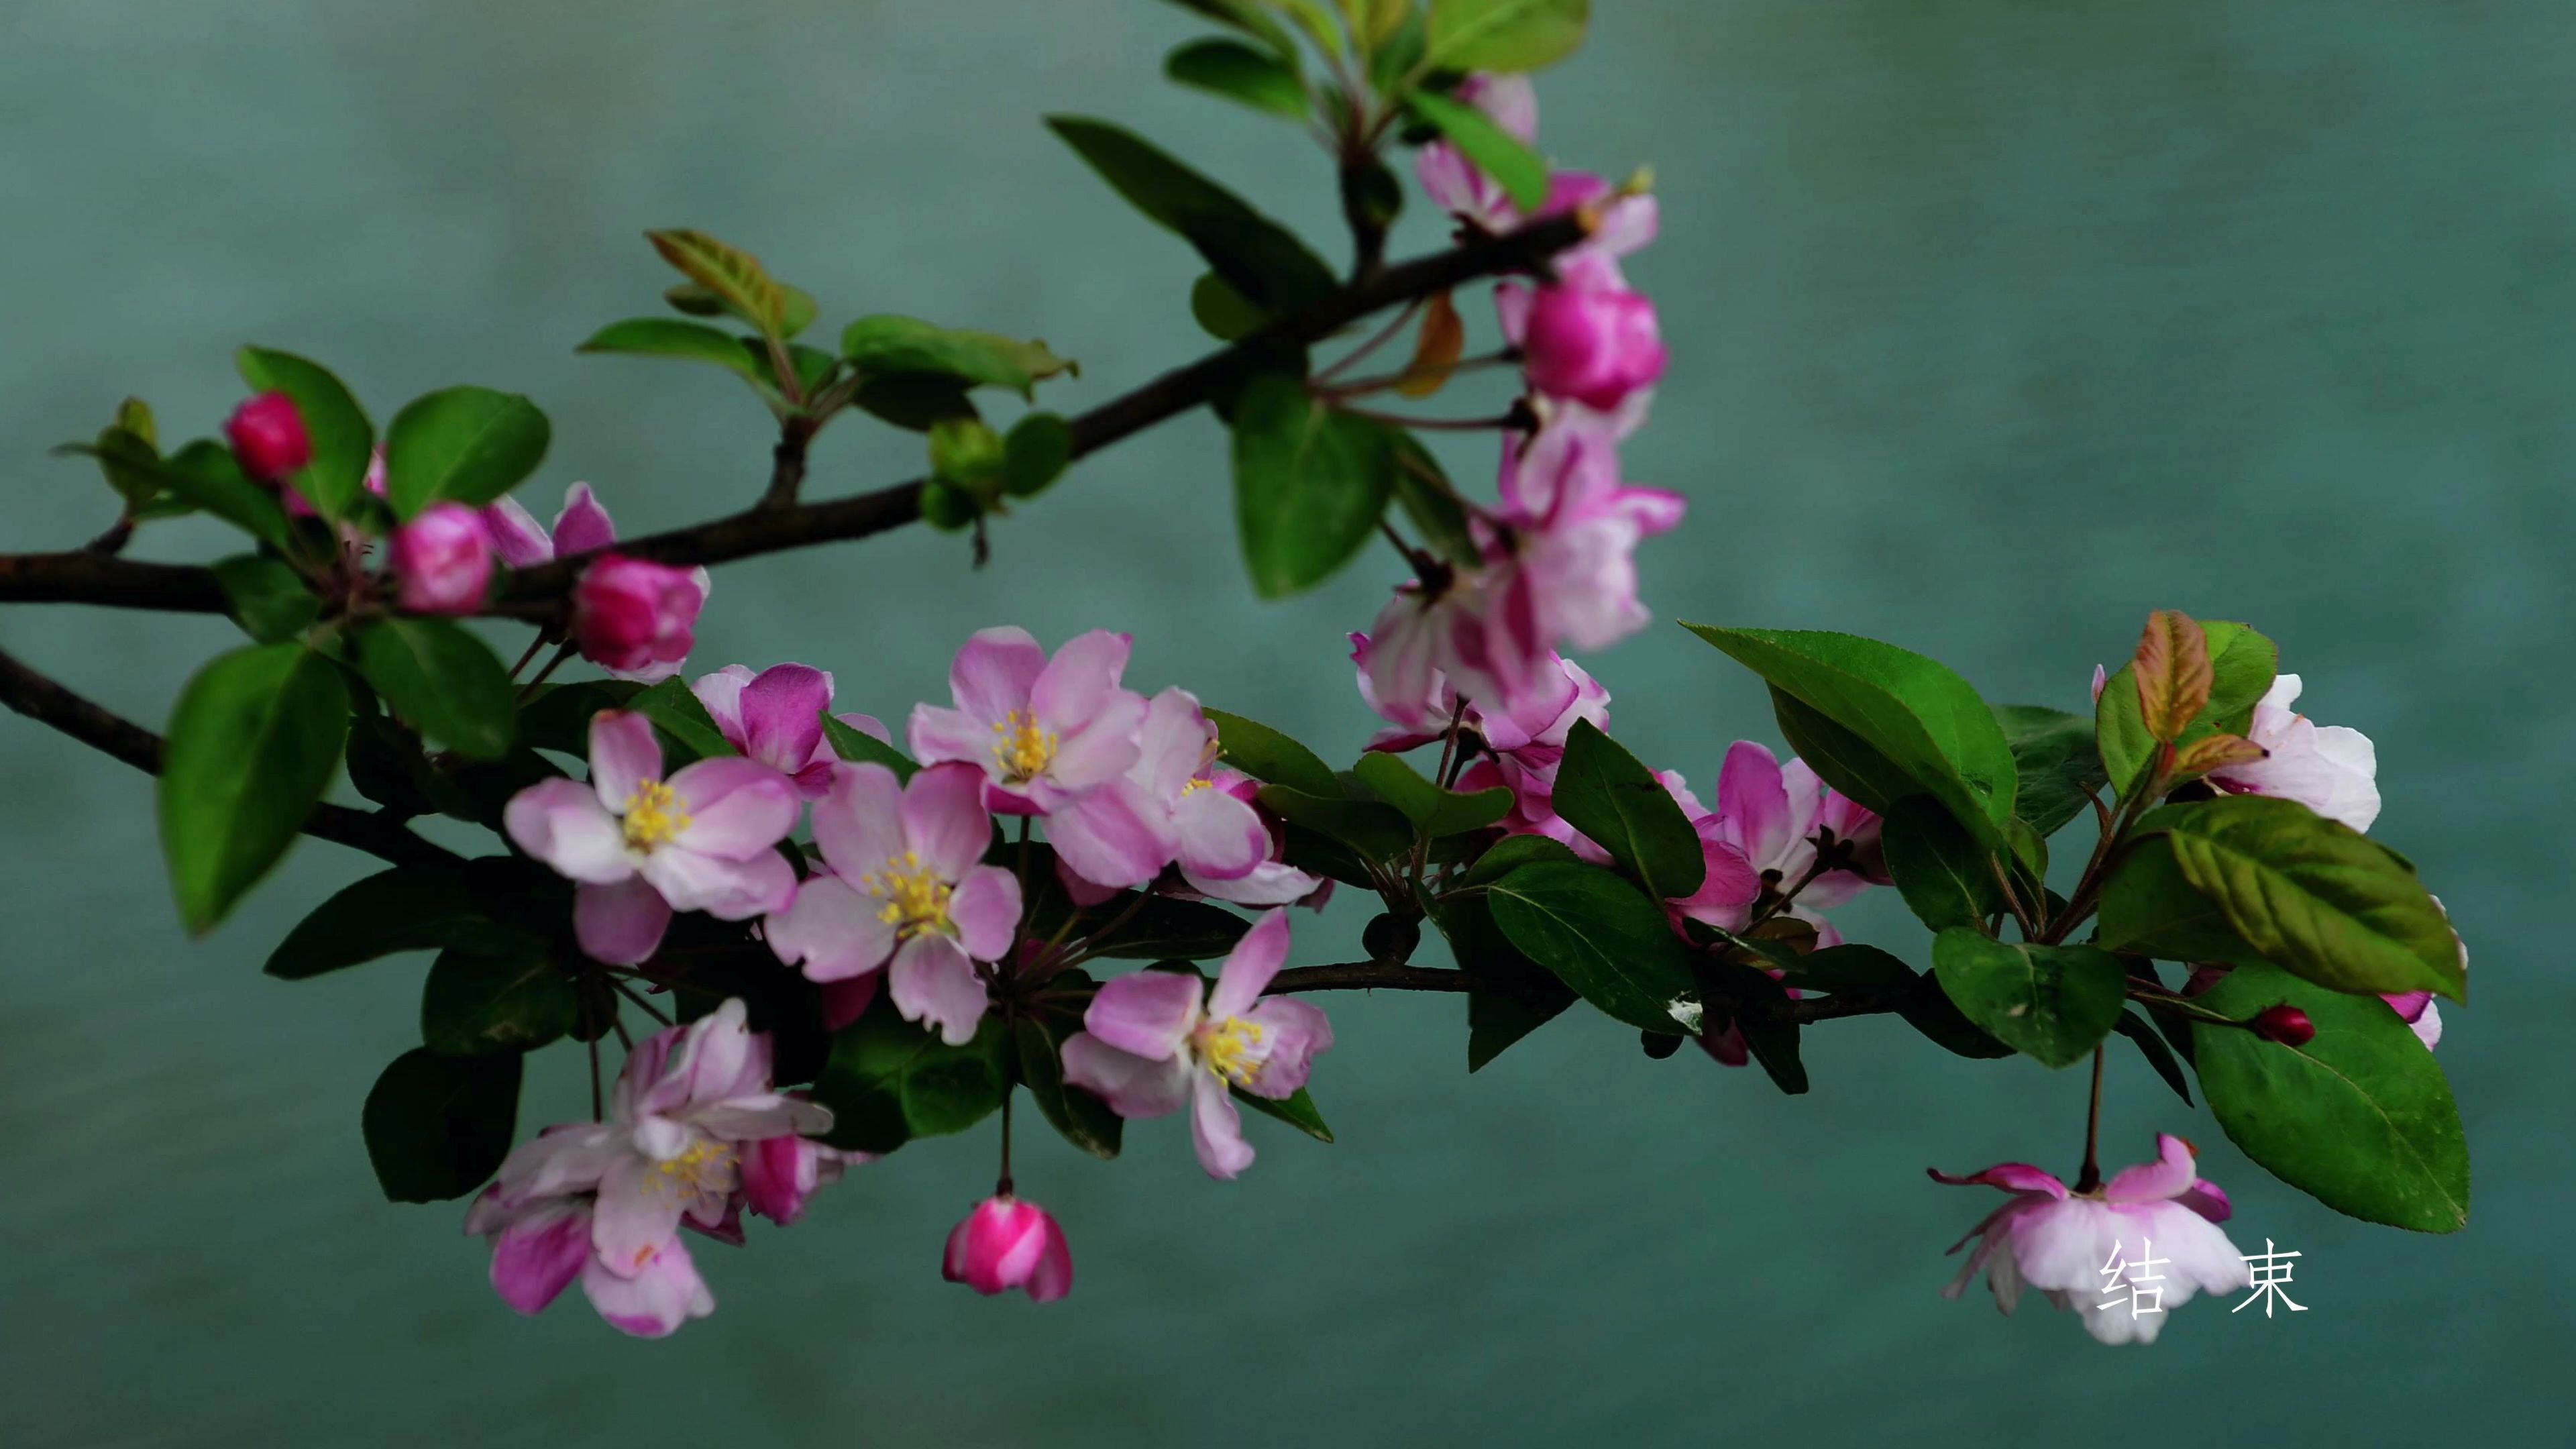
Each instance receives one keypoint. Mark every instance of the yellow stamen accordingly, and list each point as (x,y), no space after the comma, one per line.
(1024,749)
(1227,1047)
(1192,787)
(707,1166)
(916,899)
(653,815)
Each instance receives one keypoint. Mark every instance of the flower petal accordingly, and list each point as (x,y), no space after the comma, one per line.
(1250,965)
(666,1293)
(729,890)
(536,1257)
(782,715)
(933,983)
(1112,836)
(737,808)
(1294,1031)
(1134,1087)
(944,819)
(636,1214)
(721,693)
(1218,836)
(2170,1175)
(620,923)
(623,755)
(986,910)
(561,823)
(1216,1128)
(994,672)
(831,931)
(583,526)
(1079,681)
(859,821)
(1147,1013)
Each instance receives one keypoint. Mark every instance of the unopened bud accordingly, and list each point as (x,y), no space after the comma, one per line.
(268,436)
(2285,1024)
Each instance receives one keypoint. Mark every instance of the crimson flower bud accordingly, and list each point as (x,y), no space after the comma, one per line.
(1004,1244)
(442,560)
(633,615)
(1595,345)
(268,436)
(2285,1024)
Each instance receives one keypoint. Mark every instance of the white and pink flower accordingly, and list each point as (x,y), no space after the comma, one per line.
(776,717)
(2331,769)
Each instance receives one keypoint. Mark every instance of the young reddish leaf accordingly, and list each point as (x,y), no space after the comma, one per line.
(1436,349)
(2173,673)
(2217,753)
(732,274)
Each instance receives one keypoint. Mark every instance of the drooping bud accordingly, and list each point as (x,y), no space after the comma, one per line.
(268,437)
(2173,673)
(633,615)
(1004,1244)
(442,560)
(2285,1024)
(1595,345)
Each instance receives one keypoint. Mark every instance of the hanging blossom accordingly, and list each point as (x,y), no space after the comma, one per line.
(605,1201)
(633,618)
(1150,1044)
(776,717)
(642,846)
(2331,769)
(1006,1243)
(907,890)
(1054,738)
(2087,1251)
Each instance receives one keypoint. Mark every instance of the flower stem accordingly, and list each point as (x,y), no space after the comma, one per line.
(1002,1188)
(2091,1177)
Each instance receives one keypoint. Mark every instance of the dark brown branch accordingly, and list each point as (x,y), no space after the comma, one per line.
(42,700)
(1389,976)
(538,593)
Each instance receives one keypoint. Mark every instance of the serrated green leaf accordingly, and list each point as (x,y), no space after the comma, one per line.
(1602,937)
(666,337)
(733,275)
(407,908)
(476,1003)
(677,712)
(444,680)
(2053,1004)
(859,747)
(1377,830)
(2242,663)
(1946,877)
(1610,795)
(464,445)
(2056,762)
(269,600)
(1296,1109)
(255,737)
(888,344)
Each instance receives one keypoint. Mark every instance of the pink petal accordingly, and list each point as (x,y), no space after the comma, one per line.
(583,526)
(535,1258)
(1147,1014)
(721,693)
(1270,883)
(729,890)
(1134,1087)
(986,910)
(993,674)
(620,924)
(933,983)
(561,823)
(665,1294)
(1079,681)
(779,1176)
(1250,965)
(1754,803)
(518,538)
(1112,836)
(1102,747)
(832,931)
(782,715)
(623,755)
(634,1215)
(1052,1278)
(859,821)
(2169,1175)
(737,808)
(1216,1128)
(1294,1032)
(936,735)
(846,1001)
(2010,1176)
(1172,743)
(2207,1199)
(944,819)
(1217,835)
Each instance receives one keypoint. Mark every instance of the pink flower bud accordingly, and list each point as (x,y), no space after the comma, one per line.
(267,435)
(633,615)
(442,560)
(1005,1243)
(1595,345)
(2285,1024)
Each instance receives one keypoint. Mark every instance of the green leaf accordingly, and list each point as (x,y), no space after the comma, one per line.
(1506,35)
(889,344)
(2055,759)
(559,717)
(2315,896)
(1511,853)
(443,680)
(668,337)
(254,739)
(1908,710)
(343,440)
(1609,795)
(1265,754)
(1224,313)
(2241,663)
(477,1003)
(2360,1118)
(1431,505)
(269,600)
(677,713)
(1083,1119)
(127,459)
(1238,72)
(888,1081)
(1258,257)
(1520,171)
(734,276)
(1929,1010)
(2158,1055)
(1946,877)
(464,445)
(1602,937)
(1433,811)
(1851,969)
(796,305)
(407,908)
(1296,1109)
(1509,996)
(1770,1034)
(866,749)
(1035,453)
(1247,16)
(1377,830)
(1310,484)
(2053,1004)
(437,1127)
(2149,908)
(1165,929)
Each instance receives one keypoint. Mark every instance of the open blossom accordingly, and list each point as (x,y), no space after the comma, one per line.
(1779,815)
(1451,180)
(2331,769)
(441,561)
(1054,738)
(1006,1243)
(1150,1044)
(907,886)
(1537,721)
(1272,881)
(2088,1251)
(268,437)
(605,1201)
(642,847)
(776,717)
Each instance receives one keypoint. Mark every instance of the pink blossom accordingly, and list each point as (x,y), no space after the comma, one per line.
(2331,769)
(1150,1044)
(1539,720)
(539,1248)
(642,847)
(1778,815)
(1055,738)
(907,885)
(780,1175)
(1593,344)
(1452,181)
(522,542)
(776,717)
(1006,1243)
(441,561)
(2089,1251)
(584,527)
(2421,1015)
(267,435)
(635,618)
(1272,881)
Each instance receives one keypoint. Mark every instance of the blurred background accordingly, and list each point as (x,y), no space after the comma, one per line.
(1994,325)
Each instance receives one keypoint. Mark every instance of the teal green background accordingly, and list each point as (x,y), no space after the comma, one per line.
(1994,325)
